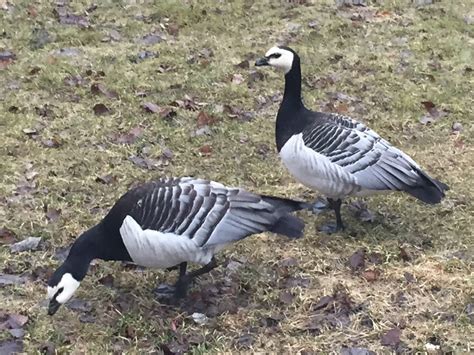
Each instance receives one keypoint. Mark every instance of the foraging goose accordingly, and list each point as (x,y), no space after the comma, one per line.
(337,155)
(170,222)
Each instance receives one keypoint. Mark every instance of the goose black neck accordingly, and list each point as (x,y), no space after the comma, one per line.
(292,95)
(85,249)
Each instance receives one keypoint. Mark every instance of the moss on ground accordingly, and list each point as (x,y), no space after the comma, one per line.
(376,63)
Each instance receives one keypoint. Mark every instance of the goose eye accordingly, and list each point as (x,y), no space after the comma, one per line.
(275,55)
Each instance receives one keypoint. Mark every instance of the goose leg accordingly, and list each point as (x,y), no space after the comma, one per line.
(185,280)
(165,292)
(331,227)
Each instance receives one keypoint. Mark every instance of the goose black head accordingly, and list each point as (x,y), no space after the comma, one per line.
(61,287)
(279,57)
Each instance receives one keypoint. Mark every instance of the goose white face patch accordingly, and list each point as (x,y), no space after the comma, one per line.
(279,58)
(64,290)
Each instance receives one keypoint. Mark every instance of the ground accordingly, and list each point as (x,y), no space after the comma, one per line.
(98,98)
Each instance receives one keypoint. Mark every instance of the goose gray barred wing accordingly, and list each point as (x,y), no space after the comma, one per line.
(203,210)
(361,152)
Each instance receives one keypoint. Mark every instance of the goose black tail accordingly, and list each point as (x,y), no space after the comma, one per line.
(430,190)
(288,225)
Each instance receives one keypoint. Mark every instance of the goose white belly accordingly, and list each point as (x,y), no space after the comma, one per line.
(316,171)
(161,250)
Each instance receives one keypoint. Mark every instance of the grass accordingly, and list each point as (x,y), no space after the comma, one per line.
(387,57)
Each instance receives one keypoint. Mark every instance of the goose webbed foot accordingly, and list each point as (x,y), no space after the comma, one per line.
(331,228)
(172,294)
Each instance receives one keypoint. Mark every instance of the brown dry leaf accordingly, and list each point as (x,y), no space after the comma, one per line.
(391,337)
(433,113)
(204,119)
(6,58)
(130,137)
(205,149)
(7,236)
(54,142)
(286,297)
(357,260)
(52,214)
(323,303)
(106,179)
(99,88)
(151,107)
(101,109)
(371,275)
(17,320)
(65,17)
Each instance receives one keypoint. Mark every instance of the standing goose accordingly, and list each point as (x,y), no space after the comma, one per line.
(171,222)
(337,155)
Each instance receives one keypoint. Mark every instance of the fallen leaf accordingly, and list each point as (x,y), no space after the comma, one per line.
(151,107)
(107,280)
(245,64)
(391,337)
(75,80)
(130,137)
(297,281)
(371,275)
(17,320)
(357,260)
(409,277)
(152,38)
(142,55)
(204,119)
(87,318)
(145,162)
(286,297)
(52,214)
(30,243)
(17,333)
(7,236)
(433,113)
(357,351)
(6,279)
(405,255)
(6,58)
(100,110)
(106,179)
(323,303)
(99,88)
(114,35)
(187,103)
(244,341)
(65,17)
(79,305)
(205,149)
(11,347)
(51,143)
(167,113)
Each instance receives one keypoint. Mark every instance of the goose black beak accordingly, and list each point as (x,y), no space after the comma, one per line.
(53,307)
(261,62)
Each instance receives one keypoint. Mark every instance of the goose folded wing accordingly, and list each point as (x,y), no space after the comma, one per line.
(360,152)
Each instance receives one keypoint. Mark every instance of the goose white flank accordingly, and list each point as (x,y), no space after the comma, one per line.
(337,155)
(170,222)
